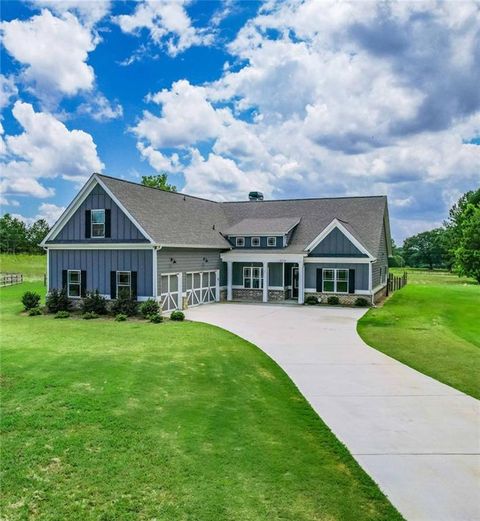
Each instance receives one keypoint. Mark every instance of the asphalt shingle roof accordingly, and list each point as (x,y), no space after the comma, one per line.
(178,219)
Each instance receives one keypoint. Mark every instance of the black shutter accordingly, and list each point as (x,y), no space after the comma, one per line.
(88,222)
(134,284)
(319,279)
(113,285)
(108,223)
(64,279)
(83,283)
(351,281)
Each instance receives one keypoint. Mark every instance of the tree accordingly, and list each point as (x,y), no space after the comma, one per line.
(396,260)
(158,181)
(13,234)
(426,248)
(36,233)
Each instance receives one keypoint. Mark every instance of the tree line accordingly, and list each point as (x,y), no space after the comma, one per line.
(455,246)
(18,237)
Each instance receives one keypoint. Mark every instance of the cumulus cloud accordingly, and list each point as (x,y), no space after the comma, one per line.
(336,98)
(168,24)
(8,90)
(45,149)
(101,109)
(87,11)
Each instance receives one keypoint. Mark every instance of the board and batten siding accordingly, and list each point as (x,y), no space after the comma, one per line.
(176,260)
(99,263)
(361,273)
(336,244)
(122,229)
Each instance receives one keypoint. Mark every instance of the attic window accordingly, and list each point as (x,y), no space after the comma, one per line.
(240,242)
(271,241)
(98,224)
(255,242)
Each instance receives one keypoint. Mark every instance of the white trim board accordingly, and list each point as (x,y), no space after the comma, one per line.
(100,246)
(337,224)
(338,260)
(236,256)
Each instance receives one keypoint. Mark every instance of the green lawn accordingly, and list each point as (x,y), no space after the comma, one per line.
(431,325)
(176,421)
(33,267)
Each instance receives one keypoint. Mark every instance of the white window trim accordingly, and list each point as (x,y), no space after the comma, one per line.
(240,242)
(79,284)
(335,280)
(250,268)
(92,223)
(256,237)
(117,276)
(274,242)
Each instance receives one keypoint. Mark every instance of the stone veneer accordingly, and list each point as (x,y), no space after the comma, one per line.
(256,295)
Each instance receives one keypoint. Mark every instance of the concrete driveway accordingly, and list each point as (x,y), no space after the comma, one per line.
(417,438)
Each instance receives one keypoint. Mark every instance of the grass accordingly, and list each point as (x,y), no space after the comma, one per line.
(176,421)
(431,325)
(32,266)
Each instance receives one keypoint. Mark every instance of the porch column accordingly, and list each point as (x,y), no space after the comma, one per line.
(217,285)
(301,282)
(265,281)
(229,280)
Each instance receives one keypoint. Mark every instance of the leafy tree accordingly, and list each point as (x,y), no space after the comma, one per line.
(36,233)
(396,260)
(426,248)
(158,181)
(13,234)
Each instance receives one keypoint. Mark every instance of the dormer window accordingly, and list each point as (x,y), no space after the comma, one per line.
(98,224)
(240,242)
(255,242)
(271,242)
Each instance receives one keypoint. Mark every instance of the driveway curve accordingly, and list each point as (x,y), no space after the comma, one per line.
(416,437)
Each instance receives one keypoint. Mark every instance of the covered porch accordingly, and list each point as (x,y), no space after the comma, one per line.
(264,277)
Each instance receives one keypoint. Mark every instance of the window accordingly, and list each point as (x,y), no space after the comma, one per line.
(255,242)
(124,282)
(253,278)
(271,241)
(335,281)
(98,224)
(240,241)
(74,283)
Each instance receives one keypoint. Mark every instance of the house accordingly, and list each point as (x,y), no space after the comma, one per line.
(185,251)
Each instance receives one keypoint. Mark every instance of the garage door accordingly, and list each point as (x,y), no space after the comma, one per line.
(201,287)
(169,296)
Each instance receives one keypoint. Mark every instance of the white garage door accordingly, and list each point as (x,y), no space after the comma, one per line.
(170,295)
(201,287)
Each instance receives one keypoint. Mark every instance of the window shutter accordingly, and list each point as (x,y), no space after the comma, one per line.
(351,281)
(83,283)
(134,284)
(64,279)
(88,222)
(113,285)
(108,223)
(319,279)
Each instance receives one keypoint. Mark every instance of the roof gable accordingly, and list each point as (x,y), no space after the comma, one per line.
(336,244)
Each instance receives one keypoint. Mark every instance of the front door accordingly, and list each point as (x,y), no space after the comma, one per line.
(294,282)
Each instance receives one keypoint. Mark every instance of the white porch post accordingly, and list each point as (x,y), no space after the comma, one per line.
(301,281)
(154,274)
(229,279)
(217,285)
(180,290)
(265,281)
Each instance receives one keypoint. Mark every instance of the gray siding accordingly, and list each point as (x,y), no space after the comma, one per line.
(186,260)
(99,263)
(263,243)
(382,260)
(335,244)
(122,229)
(361,273)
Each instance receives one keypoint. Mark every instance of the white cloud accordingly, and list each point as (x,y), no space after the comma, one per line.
(54,52)
(8,90)
(8,202)
(101,109)
(88,11)
(158,161)
(46,149)
(49,212)
(168,24)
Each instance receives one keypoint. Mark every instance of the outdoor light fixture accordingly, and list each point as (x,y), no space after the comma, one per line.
(172,260)
(205,259)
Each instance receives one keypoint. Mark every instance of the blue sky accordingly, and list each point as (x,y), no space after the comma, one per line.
(296,99)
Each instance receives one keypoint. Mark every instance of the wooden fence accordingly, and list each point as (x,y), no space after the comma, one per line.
(7,279)
(395,283)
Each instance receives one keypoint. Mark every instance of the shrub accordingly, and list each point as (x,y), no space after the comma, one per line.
(120,317)
(149,307)
(177,315)
(94,302)
(362,302)
(124,304)
(90,315)
(57,300)
(62,314)
(30,300)
(156,318)
(311,300)
(33,312)
(333,300)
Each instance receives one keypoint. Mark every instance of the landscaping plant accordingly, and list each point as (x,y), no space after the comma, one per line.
(94,302)
(30,300)
(62,314)
(156,318)
(177,315)
(125,304)
(311,300)
(57,300)
(333,300)
(149,307)
(362,302)
(90,315)
(33,312)
(120,317)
